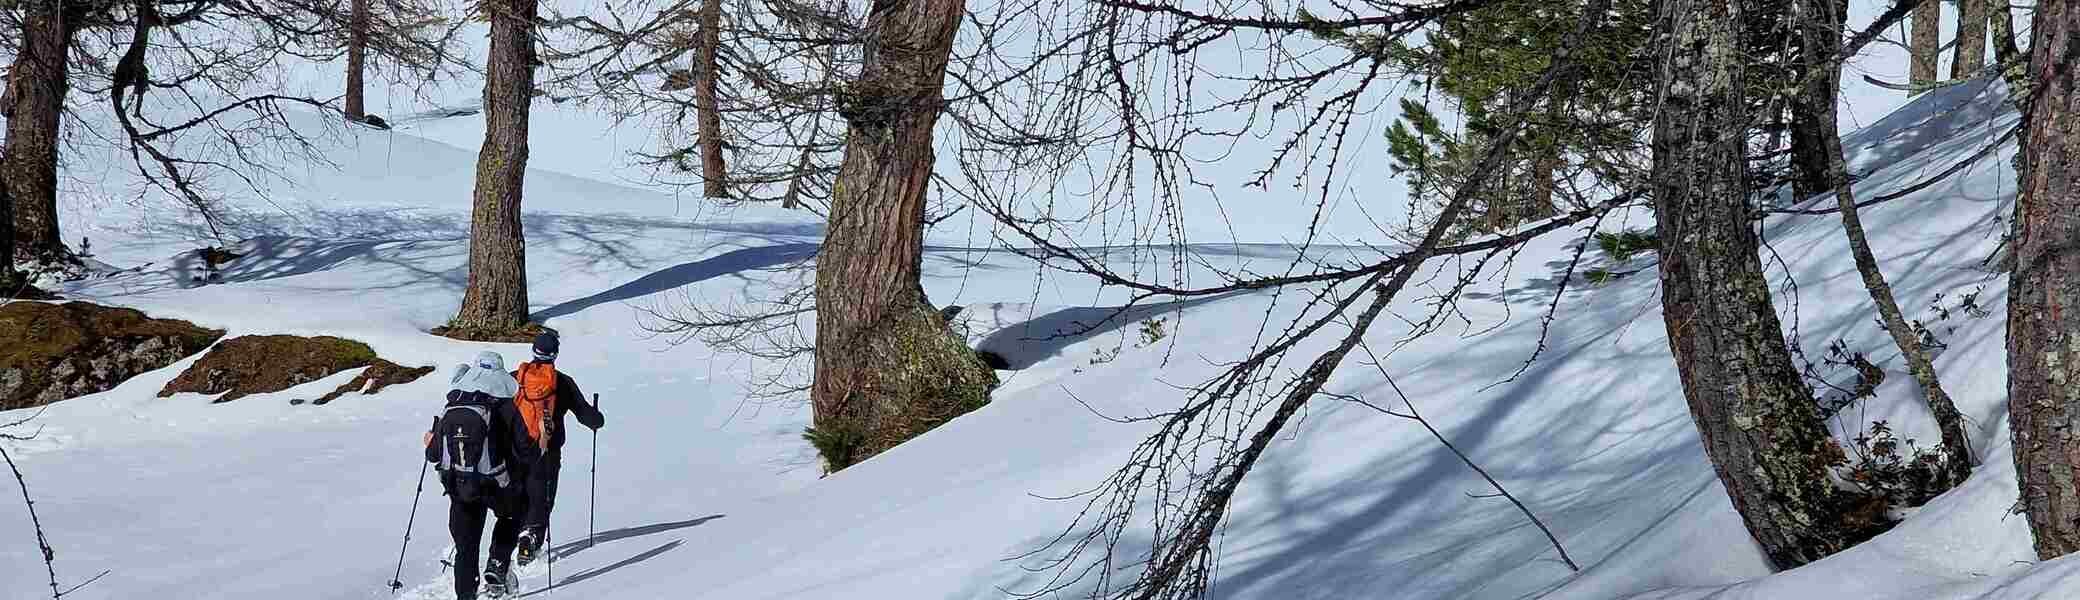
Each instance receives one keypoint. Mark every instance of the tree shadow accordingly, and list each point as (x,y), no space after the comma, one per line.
(734,261)
(1028,343)
(588,574)
(573,548)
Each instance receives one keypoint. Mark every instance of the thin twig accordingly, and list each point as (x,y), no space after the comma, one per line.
(1418,418)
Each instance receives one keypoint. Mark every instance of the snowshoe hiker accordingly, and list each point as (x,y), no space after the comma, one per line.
(482,449)
(545,395)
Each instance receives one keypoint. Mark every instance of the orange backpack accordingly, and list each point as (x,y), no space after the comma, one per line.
(537,400)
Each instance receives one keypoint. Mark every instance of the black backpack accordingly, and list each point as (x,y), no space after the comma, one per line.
(472,467)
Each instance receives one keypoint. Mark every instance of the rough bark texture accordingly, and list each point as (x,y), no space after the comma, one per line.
(706,71)
(887,366)
(1757,418)
(31,165)
(8,276)
(2044,301)
(1815,95)
(1924,44)
(495,304)
(1821,27)
(1971,38)
(357,58)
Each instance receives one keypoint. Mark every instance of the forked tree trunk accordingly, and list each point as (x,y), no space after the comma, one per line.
(30,165)
(1821,26)
(887,366)
(1971,38)
(2044,301)
(357,58)
(1759,423)
(1924,44)
(495,303)
(705,73)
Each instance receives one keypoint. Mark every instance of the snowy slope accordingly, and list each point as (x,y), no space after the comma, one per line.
(705,496)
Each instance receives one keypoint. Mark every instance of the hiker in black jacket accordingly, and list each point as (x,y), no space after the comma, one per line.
(545,396)
(482,448)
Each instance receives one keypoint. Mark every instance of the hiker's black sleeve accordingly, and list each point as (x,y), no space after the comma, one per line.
(588,415)
(521,443)
(433,454)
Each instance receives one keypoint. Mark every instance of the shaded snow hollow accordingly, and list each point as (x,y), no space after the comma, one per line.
(703,495)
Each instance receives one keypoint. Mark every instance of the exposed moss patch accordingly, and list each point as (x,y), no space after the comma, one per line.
(258,364)
(51,352)
(377,376)
(922,377)
(521,335)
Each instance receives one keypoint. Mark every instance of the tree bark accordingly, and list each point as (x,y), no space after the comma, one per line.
(357,58)
(2044,301)
(1821,27)
(7,270)
(1815,95)
(1757,418)
(40,82)
(705,74)
(887,366)
(1924,44)
(495,303)
(1971,38)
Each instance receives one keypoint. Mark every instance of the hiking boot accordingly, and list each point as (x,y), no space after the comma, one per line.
(497,579)
(530,544)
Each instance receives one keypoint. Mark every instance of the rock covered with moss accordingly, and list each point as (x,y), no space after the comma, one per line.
(52,352)
(259,364)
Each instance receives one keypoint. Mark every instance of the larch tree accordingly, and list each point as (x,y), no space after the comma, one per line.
(887,366)
(707,71)
(1754,412)
(2043,327)
(494,303)
(38,81)
(1924,45)
(357,60)
(1970,55)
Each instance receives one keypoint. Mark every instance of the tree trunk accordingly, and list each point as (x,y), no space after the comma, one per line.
(1971,38)
(705,74)
(357,58)
(1757,418)
(1924,44)
(2044,299)
(887,366)
(495,304)
(7,270)
(1815,95)
(30,166)
(1821,28)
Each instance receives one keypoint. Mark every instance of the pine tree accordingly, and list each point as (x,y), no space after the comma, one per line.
(1760,426)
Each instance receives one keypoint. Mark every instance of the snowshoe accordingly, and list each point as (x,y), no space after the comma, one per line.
(498,580)
(530,544)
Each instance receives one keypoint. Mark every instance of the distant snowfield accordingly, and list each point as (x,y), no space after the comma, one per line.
(704,495)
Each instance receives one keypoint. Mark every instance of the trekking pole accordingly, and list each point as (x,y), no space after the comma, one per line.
(395,584)
(592,498)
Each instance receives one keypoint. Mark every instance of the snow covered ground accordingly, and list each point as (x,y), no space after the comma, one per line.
(703,495)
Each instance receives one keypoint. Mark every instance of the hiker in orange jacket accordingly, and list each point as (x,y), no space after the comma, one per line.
(545,396)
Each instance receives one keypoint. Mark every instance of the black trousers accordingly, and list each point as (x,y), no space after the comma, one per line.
(466,523)
(541,489)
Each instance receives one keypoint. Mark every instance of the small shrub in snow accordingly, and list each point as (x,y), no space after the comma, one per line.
(1894,473)
(1622,246)
(1151,332)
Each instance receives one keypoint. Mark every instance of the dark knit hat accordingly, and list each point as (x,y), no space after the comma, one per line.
(545,346)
